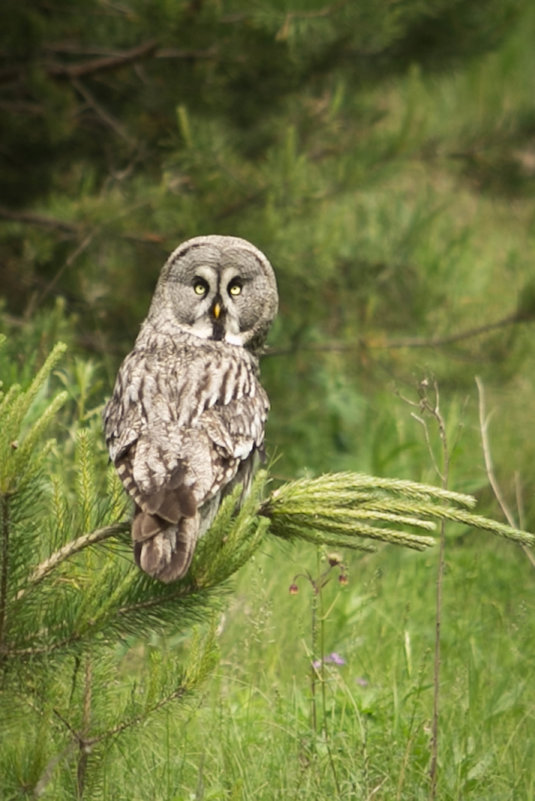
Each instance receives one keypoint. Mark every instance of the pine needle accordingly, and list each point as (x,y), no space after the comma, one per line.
(342,509)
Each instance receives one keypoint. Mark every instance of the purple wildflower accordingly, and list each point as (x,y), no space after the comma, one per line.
(333,658)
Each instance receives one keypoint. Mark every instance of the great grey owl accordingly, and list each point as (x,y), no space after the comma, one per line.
(186,419)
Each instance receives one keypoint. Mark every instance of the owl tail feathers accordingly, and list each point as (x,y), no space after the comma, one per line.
(165,529)
(164,551)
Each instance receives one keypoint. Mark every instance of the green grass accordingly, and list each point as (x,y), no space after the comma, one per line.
(250,735)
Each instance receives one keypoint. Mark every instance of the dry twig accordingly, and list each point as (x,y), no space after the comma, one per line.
(489,467)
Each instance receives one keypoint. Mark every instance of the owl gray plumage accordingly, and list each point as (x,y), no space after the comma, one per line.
(186,419)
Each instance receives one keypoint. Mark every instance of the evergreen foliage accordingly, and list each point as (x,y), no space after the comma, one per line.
(341,508)
(69,592)
(342,139)
(381,154)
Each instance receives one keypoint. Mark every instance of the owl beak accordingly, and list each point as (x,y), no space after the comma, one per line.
(216,310)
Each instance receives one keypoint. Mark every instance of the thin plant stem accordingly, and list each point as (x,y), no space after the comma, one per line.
(489,467)
(434,411)
(66,551)
(325,725)
(318,617)
(412,732)
(433,774)
(431,408)
(5,569)
(83,750)
(314,643)
(362,344)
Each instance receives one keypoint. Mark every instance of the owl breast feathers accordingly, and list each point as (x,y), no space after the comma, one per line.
(186,420)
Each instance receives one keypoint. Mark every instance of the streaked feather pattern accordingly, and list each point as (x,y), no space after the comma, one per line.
(187,415)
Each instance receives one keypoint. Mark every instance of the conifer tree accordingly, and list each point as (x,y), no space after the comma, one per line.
(74,608)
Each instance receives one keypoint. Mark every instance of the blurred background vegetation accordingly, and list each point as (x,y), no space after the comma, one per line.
(382,155)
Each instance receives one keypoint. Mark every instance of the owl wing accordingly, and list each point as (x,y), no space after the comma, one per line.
(181,428)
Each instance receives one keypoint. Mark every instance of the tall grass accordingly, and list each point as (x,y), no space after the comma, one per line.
(251,734)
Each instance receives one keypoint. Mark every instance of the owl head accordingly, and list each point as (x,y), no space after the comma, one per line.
(219,288)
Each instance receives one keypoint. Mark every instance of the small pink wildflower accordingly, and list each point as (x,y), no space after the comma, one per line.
(333,659)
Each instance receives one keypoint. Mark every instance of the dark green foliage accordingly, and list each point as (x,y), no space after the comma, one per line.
(75,612)
(70,101)
(131,127)
(381,154)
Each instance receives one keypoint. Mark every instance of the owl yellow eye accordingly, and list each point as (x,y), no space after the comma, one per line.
(234,288)
(200,287)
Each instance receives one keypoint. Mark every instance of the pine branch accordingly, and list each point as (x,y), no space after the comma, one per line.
(340,509)
(114,61)
(489,467)
(25,399)
(102,64)
(319,13)
(4,572)
(8,652)
(515,318)
(104,115)
(40,220)
(70,549)
(24,451)
(209,54)
(175,695)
